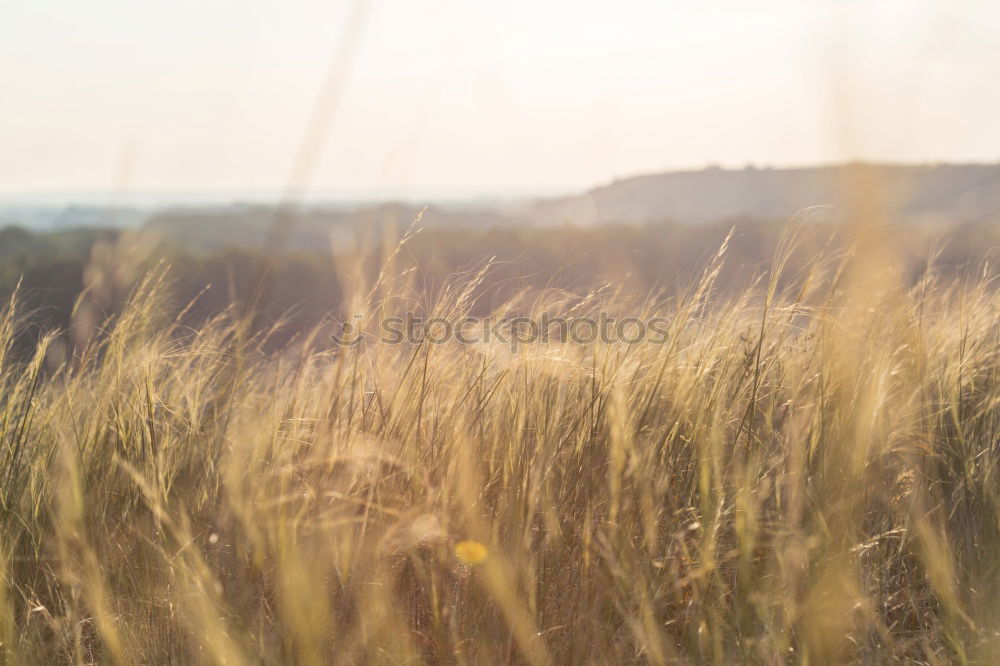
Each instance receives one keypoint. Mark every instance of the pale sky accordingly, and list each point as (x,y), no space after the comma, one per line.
(483,95)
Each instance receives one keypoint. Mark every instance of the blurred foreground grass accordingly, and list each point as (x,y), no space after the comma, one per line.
(806,471)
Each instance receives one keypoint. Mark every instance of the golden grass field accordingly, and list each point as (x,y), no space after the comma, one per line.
(806,471)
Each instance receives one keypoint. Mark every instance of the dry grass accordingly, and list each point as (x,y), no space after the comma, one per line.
(805,472)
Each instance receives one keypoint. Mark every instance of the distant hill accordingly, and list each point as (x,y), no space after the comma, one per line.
(953,193)
(947,192)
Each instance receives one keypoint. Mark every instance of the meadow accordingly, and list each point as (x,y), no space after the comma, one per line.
(804,470)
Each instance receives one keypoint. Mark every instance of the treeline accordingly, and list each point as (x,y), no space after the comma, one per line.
(304,281)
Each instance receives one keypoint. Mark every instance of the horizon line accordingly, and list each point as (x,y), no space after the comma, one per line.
(160,197)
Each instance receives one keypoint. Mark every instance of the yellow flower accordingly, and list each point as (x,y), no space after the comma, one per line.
(471,552)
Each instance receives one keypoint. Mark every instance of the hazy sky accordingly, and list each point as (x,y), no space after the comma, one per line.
(488,95)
